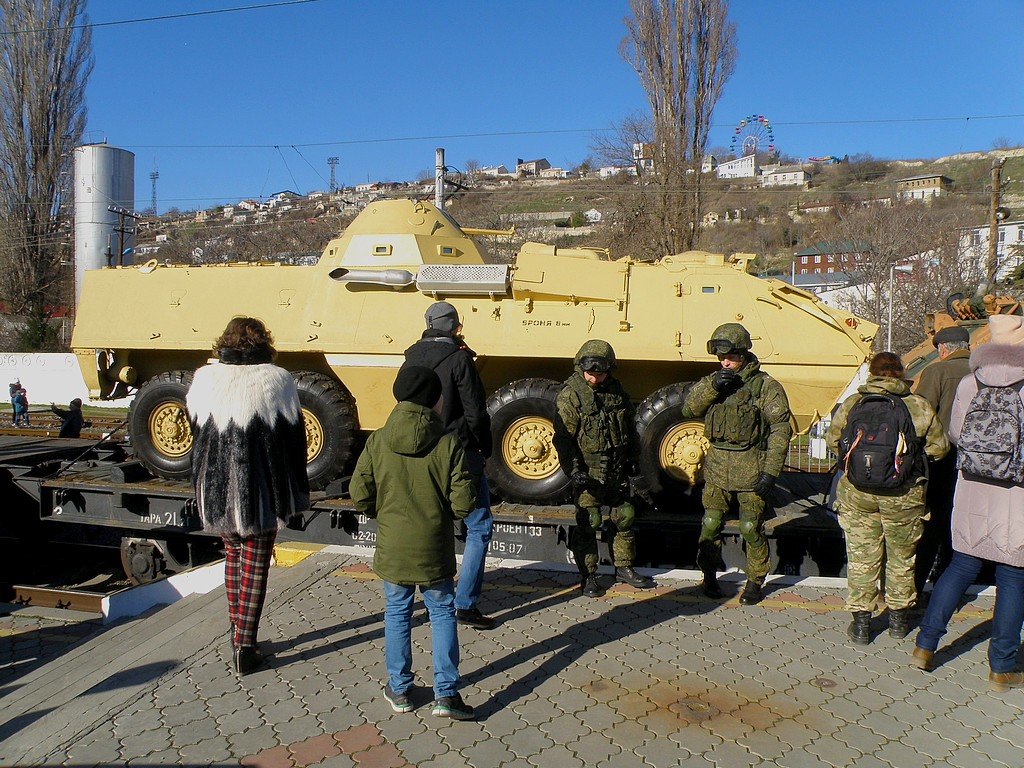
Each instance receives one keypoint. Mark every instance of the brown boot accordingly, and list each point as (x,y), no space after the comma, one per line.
(1004,681)
(923,659)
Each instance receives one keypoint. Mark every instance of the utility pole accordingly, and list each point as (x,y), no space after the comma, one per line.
(122,230)
(153,177)
(439,178)
(333,162)
(992,265)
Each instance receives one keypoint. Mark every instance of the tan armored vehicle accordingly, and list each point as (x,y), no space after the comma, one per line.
(342,326)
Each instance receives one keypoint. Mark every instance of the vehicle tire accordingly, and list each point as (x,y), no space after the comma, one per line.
(672,448)
(158,425)
(329,413)
(524,467)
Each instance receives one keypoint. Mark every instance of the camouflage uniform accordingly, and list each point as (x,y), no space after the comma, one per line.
(885,526)
(595,435)
(749,431)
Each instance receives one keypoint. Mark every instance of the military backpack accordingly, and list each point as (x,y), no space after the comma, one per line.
(990,440)
(879,447)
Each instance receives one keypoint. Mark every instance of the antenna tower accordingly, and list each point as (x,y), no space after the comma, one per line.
(333,162)
(153,177)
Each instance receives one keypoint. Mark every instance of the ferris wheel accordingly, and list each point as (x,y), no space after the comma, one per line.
(752,134)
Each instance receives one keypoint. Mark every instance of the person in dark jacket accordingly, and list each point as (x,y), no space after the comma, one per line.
(71,420)
(938,385)
(21,408)
(464,412)
(248,467)
(14,387)
(412,476)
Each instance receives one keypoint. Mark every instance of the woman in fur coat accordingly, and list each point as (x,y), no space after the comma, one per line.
(248,467)
(988,522)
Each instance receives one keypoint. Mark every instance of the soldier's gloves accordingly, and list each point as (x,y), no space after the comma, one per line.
(580,479)
(724,380)
(764,485)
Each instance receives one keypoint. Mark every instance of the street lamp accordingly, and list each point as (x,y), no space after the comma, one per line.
(893,268)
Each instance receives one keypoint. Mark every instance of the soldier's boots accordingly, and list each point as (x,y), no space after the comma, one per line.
(753,593)
(710,585)
(590,587)
(859,630)
(627,575)
(899,623)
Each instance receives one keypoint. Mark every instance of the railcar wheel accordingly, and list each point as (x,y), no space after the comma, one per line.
(158,425)
(143,560)
(329,415)
(672,448)
(524,467)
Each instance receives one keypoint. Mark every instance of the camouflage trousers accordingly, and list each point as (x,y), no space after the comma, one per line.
(590,513)
(709,547)
(881,531)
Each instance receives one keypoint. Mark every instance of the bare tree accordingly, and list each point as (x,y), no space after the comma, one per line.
(45,62)
(684,51)
(924,240)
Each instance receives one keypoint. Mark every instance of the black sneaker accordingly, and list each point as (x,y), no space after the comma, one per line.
(453,707)
(399,701)
(472,617)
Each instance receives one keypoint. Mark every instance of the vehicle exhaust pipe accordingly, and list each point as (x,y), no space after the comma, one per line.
(393,278)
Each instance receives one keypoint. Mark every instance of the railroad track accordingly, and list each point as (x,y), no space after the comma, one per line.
(48,597)
(45,424)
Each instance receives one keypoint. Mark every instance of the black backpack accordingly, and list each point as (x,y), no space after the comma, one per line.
(879,447)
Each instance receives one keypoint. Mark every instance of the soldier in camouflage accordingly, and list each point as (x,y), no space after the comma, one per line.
(884,527)
(746,420)
(595,440)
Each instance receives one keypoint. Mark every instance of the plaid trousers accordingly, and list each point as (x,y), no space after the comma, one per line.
(246,568)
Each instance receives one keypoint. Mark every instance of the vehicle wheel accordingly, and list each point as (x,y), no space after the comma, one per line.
(329,414)
(142,560)
(672,448)
(158,425)
(524,467)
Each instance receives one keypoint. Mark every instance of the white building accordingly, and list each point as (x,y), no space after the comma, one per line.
(708,164)
(974,243)
(614,170)
(924,187)
(493,171)
(741,168)
(786,176)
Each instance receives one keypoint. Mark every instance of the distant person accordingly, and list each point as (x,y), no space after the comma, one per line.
(442,349)
(15,388)
(413,477)
(596,445)
(987,425)
(248,467)
(71,420)
(938,385)
(746,418)
(882,435)
(21,408)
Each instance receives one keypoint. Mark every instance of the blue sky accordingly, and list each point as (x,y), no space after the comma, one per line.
(348,76)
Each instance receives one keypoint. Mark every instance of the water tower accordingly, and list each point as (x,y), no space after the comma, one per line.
(104,179)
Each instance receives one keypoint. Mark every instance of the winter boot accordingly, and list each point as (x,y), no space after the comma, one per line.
(859,630)
(710,585)
(590,587)
(899,623)
(627,575)
(753,593)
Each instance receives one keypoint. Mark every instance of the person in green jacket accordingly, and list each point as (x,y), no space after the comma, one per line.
(746,418)
(413,477)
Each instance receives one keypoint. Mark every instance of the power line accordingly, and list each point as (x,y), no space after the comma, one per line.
(166,17)
(553,132)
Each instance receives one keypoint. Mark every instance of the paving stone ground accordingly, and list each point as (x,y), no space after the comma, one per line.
(29,638)
(661,678)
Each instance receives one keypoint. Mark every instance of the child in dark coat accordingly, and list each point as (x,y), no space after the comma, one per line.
(72,420)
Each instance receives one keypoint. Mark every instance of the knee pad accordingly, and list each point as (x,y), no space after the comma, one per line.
(623,516)
(748,530)
(712,519)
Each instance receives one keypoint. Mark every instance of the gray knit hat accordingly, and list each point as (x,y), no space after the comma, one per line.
(442,316)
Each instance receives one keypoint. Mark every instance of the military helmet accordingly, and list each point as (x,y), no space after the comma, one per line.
(595,356)
(730,337)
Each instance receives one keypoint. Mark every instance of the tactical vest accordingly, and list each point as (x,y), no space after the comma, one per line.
(737,424)
(604,422)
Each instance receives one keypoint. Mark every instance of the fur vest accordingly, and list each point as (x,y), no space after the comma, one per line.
(249,451)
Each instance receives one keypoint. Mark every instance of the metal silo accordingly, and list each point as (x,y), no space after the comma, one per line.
(104,177)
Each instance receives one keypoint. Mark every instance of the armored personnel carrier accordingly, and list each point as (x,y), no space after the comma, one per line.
(341,328)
